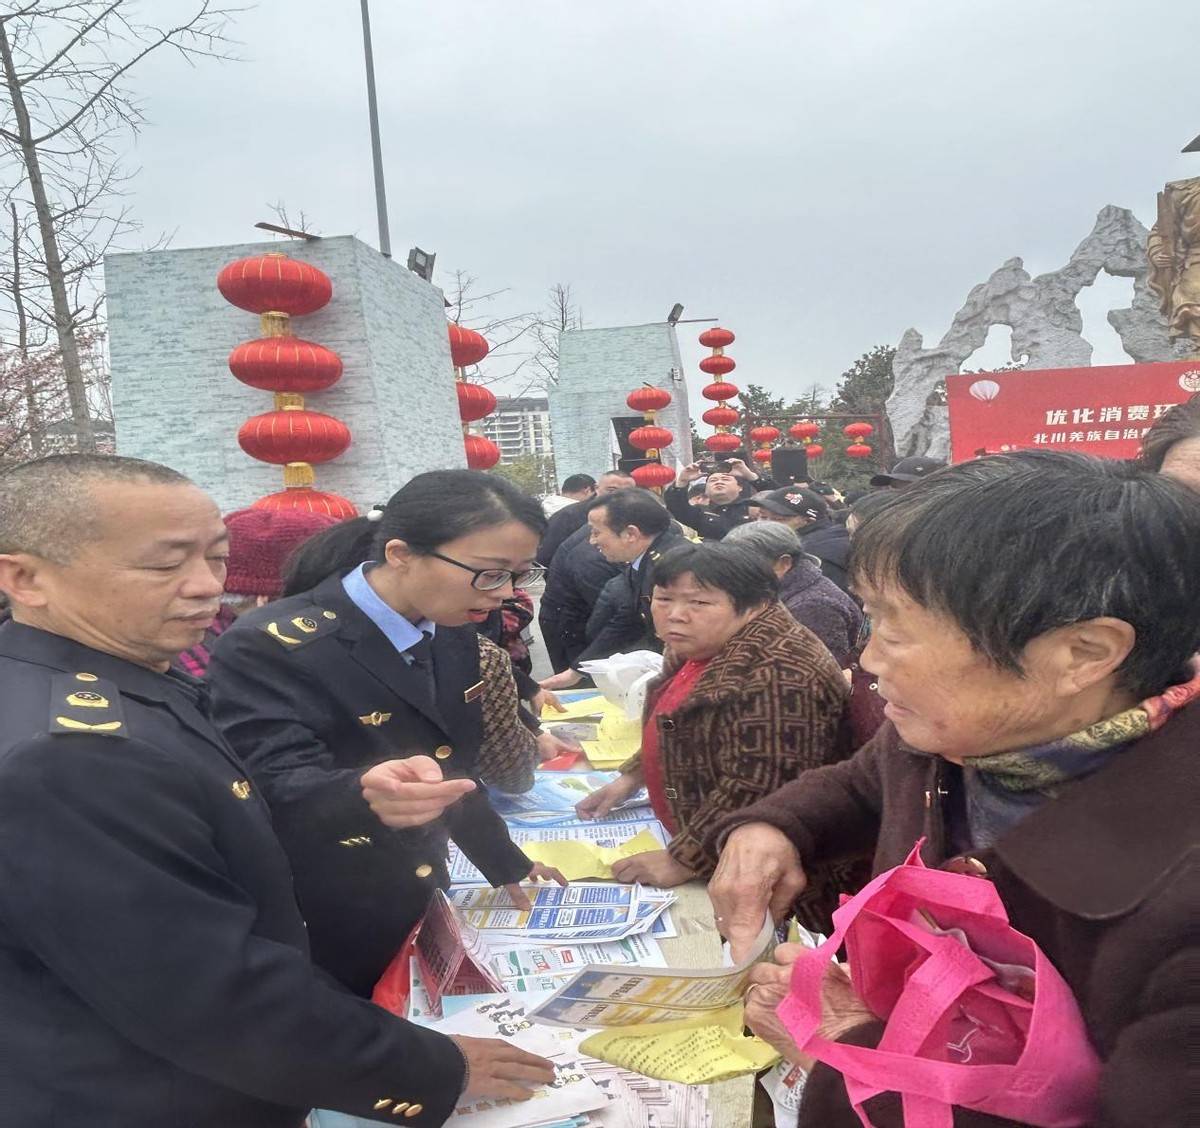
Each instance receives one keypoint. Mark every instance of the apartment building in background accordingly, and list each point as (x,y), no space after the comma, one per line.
(520,427)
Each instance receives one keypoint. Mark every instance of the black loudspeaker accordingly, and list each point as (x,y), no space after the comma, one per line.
(631,457)
(789,465)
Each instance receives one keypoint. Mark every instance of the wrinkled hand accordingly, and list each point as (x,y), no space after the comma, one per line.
(411,792)
(654,867)
(550,747)
(769,986)
(841,1009)
(540,872)
(543,700)
(759,870)
(497,1069)
(605,798)
(564,680)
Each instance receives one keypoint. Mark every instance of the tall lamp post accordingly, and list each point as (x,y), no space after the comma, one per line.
(385,240)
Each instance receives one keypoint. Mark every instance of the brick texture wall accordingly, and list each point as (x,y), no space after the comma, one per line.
(176,402)
(597,369)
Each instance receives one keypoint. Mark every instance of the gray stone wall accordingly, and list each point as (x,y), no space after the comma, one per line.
(597,369)
(176,402)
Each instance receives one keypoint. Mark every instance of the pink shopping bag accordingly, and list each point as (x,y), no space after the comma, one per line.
(975,1014)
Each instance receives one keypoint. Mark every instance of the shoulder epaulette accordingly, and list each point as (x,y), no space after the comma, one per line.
(297,630)
(85,703)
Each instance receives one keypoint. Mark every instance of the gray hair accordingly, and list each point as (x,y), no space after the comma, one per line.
(769,539)
(45,505)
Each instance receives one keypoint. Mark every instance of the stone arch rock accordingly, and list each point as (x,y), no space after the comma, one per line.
(1047,327)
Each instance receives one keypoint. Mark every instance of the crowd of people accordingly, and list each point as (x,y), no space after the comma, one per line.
(235,751)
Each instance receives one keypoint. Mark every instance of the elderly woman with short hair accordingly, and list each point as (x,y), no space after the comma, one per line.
(1035,617)
(815,601)
(748,700)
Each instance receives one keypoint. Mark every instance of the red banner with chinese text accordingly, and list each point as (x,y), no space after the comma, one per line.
(1103,411)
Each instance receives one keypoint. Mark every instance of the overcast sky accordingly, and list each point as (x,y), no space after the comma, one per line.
(818,176)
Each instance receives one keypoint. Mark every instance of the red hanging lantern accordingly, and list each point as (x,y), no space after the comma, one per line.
(721,390)
(650,438)
(274,283)
(765,434)
(482,454)
(305,497)
(653,475)
(722,443)
(294,435)
(285,364)
(858,430)
(474,402)
(858,450)
(805,431)
(718,365)
(466,346)
(763,455)
(648,398)
(716,338)
(720,416)
(814,450)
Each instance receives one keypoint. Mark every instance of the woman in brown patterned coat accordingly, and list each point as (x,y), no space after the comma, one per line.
(748,700)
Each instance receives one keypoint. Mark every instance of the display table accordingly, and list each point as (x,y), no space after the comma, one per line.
(698,945)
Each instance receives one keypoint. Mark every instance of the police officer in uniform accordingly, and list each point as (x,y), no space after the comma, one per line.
(373,668)
(630,528)
(154,968)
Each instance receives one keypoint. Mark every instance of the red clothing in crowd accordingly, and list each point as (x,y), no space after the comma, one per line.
(670,698)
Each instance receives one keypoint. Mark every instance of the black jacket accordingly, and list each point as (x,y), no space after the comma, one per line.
(829,542)
(565,522)
(310,710)
(631,627)
(712,522)
(573,584)
(154,968)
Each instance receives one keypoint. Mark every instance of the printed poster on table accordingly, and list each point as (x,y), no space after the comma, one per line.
(1103,411)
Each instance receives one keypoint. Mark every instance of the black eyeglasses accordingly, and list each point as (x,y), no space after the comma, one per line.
(489,579)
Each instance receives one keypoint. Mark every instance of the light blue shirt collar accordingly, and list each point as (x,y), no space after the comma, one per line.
(399,631)
(637,563)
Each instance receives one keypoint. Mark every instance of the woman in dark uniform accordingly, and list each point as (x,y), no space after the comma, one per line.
(359,708)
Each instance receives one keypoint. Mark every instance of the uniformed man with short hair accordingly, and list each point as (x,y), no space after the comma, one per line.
(154,968)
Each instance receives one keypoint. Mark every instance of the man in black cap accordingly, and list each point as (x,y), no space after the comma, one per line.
(807,512)
(907,471)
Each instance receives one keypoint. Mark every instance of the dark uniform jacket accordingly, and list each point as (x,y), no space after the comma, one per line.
(311,693)
(630,627)
(573,586)
(560,526)
(154,968)
(1104,878)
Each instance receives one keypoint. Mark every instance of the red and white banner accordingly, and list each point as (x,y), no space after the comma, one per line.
(1103,411)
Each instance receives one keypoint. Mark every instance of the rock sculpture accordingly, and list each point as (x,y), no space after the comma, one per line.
(1047,327)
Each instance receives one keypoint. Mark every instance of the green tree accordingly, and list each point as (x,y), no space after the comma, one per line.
(531,473)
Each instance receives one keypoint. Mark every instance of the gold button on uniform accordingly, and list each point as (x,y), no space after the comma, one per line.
(415,1110)
(86,677)
(380,1105)
(423,870)
(329,614)
(443,751)
(400,1107)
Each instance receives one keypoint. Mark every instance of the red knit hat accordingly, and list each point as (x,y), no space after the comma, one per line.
(260,541)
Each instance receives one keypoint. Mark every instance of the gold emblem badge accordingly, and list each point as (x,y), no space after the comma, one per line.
(86,699)
(80,726)
(305,624)
(274,631)
(240,788)
(375,719)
